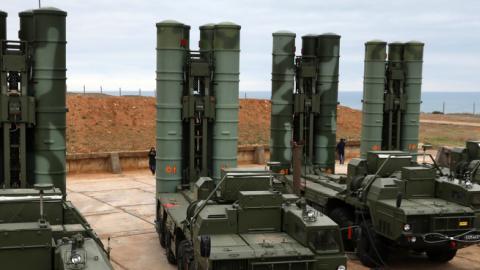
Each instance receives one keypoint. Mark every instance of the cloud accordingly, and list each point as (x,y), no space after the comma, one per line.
(112,42)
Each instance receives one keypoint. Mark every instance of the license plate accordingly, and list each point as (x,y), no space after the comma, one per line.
(463,223)
(472,237)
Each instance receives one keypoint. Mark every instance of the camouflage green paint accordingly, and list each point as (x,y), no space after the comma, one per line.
(328,54)
(309,45)
(49,76)
(27,27)
(3,25)
(206,39)
(283,74)
(373,89)
(413,61)
(171,52)
(226,44)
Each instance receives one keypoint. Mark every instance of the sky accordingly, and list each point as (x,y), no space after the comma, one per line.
(111,43)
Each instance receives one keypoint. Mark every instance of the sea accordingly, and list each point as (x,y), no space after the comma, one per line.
(446,102)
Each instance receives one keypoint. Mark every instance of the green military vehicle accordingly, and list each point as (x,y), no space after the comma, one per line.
(210,215)
(386,200)
(242,223)
(461,162)
(39,228)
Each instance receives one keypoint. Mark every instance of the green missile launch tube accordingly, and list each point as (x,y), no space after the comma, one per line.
(3,25)
(171,52)
(49,77)
(226,44)
(373,92)
(328,54)
(283,74)
(412,61)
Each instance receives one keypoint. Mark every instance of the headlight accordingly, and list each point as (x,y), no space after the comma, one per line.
(310,214)
(76,259)
(407,227)
(341,267)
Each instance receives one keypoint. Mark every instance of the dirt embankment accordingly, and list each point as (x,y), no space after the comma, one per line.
(100,123)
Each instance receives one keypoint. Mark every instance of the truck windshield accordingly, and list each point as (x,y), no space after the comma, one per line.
(324,241)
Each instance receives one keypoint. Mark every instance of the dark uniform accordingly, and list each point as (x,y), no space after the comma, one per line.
(341,150)
(151,160)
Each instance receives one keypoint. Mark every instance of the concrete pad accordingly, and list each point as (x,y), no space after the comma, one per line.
(103,185)
(119,224)
(146,211)
(124,197)
(90,206)
(140,252)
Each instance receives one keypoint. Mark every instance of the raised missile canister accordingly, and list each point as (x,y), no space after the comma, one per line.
(328,53)
(412,61)
(283,74)
(309,45)
(373,92)
(171,52)
(27,27)
(49,77)
(206,38)
(3,25)
(226,44)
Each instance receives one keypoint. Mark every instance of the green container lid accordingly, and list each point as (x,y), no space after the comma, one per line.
(284,33)
(228,25)
(50,11)
(170,23)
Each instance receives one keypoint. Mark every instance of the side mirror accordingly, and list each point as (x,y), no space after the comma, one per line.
(205,246)
(399,199)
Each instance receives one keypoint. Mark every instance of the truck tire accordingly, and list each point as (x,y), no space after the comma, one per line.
(344,219)
(168,249)
(185,259)
(441,255)
(371,249)
(162,232)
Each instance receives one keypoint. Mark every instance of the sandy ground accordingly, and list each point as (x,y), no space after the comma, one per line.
(122,207)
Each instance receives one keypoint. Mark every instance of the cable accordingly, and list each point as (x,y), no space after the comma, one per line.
(382,263)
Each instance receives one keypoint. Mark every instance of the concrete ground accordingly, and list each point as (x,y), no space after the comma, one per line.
(122,207)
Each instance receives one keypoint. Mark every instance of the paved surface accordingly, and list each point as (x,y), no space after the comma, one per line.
(122,207)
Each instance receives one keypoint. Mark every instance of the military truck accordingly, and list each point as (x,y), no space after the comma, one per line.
(241,223)
(386,201)
(209,214)
(39,227)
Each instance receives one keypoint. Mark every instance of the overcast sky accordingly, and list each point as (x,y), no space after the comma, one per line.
(112,42)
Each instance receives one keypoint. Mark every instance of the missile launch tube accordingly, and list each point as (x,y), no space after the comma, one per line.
(226,44)
(49,77)
(413,61)
(27,27)
(373,92)
(283,62)
(3,25)
(328,54)
(171,52)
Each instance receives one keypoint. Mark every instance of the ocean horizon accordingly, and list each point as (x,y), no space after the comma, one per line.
(448,102)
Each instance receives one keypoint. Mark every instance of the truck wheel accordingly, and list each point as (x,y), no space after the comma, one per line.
(371,250)
(168,249)
(441,255)
(344,218)
(162,233)
(185,259)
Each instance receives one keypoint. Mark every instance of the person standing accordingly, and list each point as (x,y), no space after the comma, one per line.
(151,159)
(341,151)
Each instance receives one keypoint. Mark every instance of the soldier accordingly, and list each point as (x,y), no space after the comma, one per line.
(151,159)
(341,151)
